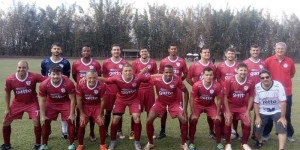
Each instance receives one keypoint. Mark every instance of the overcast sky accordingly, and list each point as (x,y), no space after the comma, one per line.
(275,7)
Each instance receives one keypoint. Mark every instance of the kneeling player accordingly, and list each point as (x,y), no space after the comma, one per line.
(237,104)
(202,100)
(166,89)
(90,102)
(57,96)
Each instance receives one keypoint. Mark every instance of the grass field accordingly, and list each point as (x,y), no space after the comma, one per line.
(22,137)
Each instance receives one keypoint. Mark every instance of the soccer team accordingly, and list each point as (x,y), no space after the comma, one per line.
(265,86)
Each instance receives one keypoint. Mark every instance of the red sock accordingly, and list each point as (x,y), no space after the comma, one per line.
(120,124)
(77,122)
(192,129)
(107,119)
(210,124)
(6,134)
(81,132)
(46,128)
(184,132)
(218,130)
(163,119)
(113,131)
(137,131)
(222,124)
(150,132)
(235,123)
(132,124)
(38,134)
(246,132)
(92,126)
(102,134)
(71,131)
(227,132)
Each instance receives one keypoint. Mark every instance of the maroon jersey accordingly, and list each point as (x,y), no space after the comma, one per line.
(179,65)
(80,68)
(205,96)
(24,90)
(90,95)
(138,66)
(111,68)
(127,91)
(236,92)
(224,71)
(254,68)
(196,70)
(59,93)
(167,91)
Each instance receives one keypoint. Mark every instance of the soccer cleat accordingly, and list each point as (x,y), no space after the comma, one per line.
(92,137)
(43,147)
(121,135)
(212,136)
(219,146)
(290,138)
(149,146)
(71,147)
(64,136)
(5,147)
(137,145)
(103,147)
(112,145)
(228,147)
(185,147)
(245,147)
(192,146)
(161,135)
(258,145)
(36,146)
(131,136)
(79,147)
(265,138)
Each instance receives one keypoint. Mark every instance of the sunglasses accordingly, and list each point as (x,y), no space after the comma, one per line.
(267,77)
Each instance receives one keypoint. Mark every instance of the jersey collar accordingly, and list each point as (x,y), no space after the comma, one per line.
(240,83)
(143,62)
(208,86)
(116,62)
(229,65)
(85,63)
(56,61)
(56,86)
(20,79)
(127,81)
(165,81)
(254,61)
(173,60)
(91,88)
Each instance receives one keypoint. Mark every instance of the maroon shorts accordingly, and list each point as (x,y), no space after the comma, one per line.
(109,101)
(210,110)
(174,108)
(91,111)
(240,115)
(147,98)
(134,107)
(53,109)
(17,110)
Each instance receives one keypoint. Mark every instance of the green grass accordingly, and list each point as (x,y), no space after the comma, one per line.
(22,137)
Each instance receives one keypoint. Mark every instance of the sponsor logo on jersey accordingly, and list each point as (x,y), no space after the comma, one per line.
(61,65)
(63,90)
(246,88)
(285,65)
(91,67)
(211,91)
(28,82)
(96,91)
(178,64)
(134,85)
(120,66)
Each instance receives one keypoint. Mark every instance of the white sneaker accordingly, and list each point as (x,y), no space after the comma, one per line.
(228,147)
(148,146)
(246,147)
(121,135)
(185,147)
(291,139)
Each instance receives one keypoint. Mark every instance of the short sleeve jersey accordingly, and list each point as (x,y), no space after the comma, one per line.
(167,91)
(79,68)
(48,63)
(224,71)
(236,92)
(179,65)
(196,70)
(269,100)
(24,90)
(90,95)
(138,66)
(57,94)
(127,91)
(205,96)
(254,68)
(282,71)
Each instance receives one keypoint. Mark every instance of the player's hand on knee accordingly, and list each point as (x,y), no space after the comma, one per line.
(43,119)
(218,117)
(247,115)
(7,112)
(228,117)
(101,120)
(72,118)
(283,121)
(193,116)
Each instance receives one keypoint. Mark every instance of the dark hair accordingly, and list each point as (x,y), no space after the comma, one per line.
(168,66)
(231,49)
(114,45)
(254,46)
(207,69)
(93,71)
(172,44)
(56,44)
(265,71)
(242,65)
(144,47)
(56,68)
(85,46)
(201,50)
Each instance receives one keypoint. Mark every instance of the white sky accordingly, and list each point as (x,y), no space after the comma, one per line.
(275,7)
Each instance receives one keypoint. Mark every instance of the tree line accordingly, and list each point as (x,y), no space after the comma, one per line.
(28,30)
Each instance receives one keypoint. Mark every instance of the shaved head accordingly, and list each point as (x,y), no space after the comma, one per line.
(23,62)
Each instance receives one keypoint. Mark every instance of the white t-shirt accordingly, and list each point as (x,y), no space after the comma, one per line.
(269,100)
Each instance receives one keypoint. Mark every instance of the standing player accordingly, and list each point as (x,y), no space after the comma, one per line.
(166,88)
(202,101)
(196,73)
(237,104)
(91,103)
(111,67)
(23,83)
(56,50)
(57,95)
(79,69)
(146,66)
(179,68)
(283,70)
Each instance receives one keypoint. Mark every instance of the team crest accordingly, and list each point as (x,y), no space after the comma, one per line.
(96,91)
(134,85)
(91,67)
(61,65)
(172,86)
(246,88)
(178,64)
(235,70)
(211,91)
(149,66)
(28,82)
(285,65)
(120,66)
(261,66)
(63,90)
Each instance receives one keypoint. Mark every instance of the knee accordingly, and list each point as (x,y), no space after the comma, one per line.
(136,118)
(7,123)
(36,122)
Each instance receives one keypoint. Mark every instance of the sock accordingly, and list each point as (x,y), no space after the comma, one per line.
(113,131)
(246,132)
(227,133)
(38,134)
(217,124)
(184,132)
(222,124)
(150,132)
(235,123)
(6,134)
(71,131)
(137,131)
(120,124)
(81,132)
(64,126)
(107,119)
(192,129)
(132,124)
(102,134)
(77,122)
(92,126)
(46,128)
(210,124)
(163,123)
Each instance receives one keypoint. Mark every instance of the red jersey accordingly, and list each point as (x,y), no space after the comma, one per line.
(179,65)
(138,66)
(167,91)
(236,92)
(90,95)
(254,68)
(282,71)
(59,93)
(79,68)
(127,91)
(111,68)
(205,96)
(196,70)
(24,90)
(224,71)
